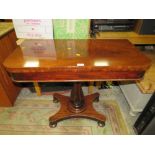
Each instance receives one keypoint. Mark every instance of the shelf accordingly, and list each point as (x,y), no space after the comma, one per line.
(147,84)
(5,27)
(133,37)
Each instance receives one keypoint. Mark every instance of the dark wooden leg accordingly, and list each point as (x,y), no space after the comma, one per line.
(77,106)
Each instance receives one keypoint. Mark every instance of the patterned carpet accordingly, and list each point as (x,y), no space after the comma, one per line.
(30,116)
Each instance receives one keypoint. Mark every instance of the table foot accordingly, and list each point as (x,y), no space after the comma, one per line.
(57,97)
(52,125)
(101,124)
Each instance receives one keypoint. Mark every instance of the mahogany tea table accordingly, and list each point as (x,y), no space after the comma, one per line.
(76,61)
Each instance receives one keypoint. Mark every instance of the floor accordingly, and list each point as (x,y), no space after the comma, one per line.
(112,93)
(115,93)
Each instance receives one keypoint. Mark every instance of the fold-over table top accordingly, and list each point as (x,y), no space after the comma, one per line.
(76,60)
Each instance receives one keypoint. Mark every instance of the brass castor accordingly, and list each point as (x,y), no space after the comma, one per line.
(52,125)
(101,124)
(55,100)
(96,99)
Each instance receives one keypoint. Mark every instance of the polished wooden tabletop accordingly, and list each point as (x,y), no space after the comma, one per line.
(77,60)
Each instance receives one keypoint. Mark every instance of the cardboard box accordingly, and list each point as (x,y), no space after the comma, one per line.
(71,28)
(33,28)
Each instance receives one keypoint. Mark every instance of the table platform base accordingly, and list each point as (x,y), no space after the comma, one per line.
(76,106)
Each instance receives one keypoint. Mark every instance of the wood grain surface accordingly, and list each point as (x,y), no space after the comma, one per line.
(77,60)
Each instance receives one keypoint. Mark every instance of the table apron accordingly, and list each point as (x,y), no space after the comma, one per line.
(77,76)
